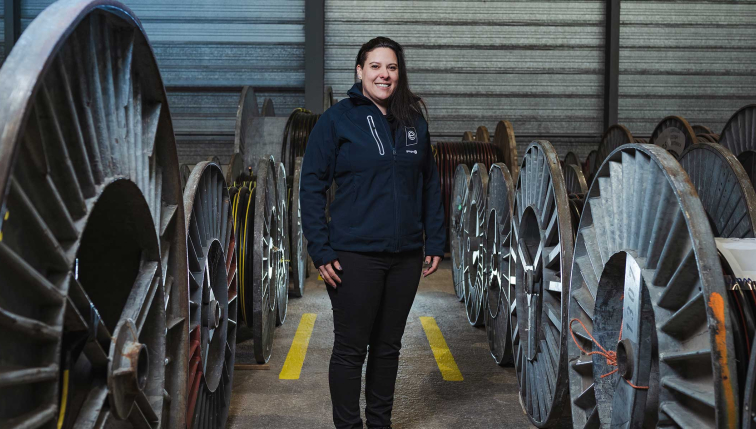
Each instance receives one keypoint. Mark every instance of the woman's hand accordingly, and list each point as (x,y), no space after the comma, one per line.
(329,274)
(433,262)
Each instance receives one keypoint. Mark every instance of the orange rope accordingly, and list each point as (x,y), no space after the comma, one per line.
(611,356)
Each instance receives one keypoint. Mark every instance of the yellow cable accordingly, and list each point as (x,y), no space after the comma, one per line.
(64,400)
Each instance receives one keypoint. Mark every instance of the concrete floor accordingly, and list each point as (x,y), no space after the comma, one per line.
(486,398)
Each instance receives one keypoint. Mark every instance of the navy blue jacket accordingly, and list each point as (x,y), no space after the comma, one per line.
(388,188)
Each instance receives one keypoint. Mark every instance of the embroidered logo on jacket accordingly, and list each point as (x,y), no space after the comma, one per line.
(411,135)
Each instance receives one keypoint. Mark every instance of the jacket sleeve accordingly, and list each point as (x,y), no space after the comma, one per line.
(433,209)
(317,173)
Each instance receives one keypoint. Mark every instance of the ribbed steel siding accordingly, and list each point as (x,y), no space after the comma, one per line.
(2,32)
(537,64)
(207,50)
(689,58)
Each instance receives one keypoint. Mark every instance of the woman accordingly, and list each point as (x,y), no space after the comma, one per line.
(375,145)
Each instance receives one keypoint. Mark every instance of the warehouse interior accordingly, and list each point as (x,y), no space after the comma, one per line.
(596,160)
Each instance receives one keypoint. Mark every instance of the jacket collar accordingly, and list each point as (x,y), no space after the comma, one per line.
(355,93)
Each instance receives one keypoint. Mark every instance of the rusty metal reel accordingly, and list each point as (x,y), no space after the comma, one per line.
(543,242)
(574,180)
(247,110)
(92,246)
(474,244)
(504,139)
(456,204)
(213,291)
(674,134)
(648,299)
(264,265)
(498,262)
(482,135)
(299,263)
(282,248)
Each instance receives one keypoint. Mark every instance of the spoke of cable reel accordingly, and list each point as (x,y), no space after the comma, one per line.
(88,161)
(213,291)
(474,243)
(459,191)
(645,272)
(264,261)
(498,262)
(542,243)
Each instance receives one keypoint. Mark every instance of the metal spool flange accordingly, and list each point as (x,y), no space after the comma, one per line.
(247,110)
(282,248)
(504,139)
(213,291)
(459,189)
(614,137)
(235,169)
(186,171)
(264,265)
(242,211)
(674,134)
(739,133)
(468,136)
(474,244)
(298,244)
(543,243)
(87,160)
(572,159)
(574,180)
(267,108)
(482,135)
(748,161)
(645,257)
(590,166)
(499,264)
(701,129)
(639,140)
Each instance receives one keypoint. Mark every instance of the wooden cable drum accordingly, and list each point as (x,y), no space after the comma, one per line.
(674,134)
(468,136)
(482,135)
(268,109)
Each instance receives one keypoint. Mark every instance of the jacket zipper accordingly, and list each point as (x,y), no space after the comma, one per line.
(393,181)
(376,137)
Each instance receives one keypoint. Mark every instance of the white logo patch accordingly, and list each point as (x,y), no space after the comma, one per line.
(411,135)
(412,151)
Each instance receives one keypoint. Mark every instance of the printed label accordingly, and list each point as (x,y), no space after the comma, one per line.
(411,136)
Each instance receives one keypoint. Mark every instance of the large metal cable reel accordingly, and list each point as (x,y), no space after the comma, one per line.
(299,263)
(571,159)
(88,159)
(213,288)
(614,137)
(264,258)
(498,262)
(645,257)
(739,136)
(235,168)
(267,108)
(243,208)
(674,134)
(543,243)
(482,135)
(504,139)
(247,110)
(456,205)
(474,244)
(282,247)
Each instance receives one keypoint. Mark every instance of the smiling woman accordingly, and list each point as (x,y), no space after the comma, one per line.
(386,218)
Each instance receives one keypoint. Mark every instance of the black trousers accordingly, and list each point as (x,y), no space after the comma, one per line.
(370,310)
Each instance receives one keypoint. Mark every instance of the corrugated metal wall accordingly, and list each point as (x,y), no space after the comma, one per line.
(539,64)
(695,59)
(207,50)
(2,32)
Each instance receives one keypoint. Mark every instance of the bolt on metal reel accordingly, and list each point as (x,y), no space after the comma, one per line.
(543,244)
(213,292)
(498,260)
(92,245)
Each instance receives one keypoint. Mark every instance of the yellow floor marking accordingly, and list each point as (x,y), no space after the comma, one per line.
(444,358)
(298,350)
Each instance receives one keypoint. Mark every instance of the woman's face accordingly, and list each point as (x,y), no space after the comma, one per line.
(380,75)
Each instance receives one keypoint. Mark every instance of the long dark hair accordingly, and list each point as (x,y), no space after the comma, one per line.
(404,105)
